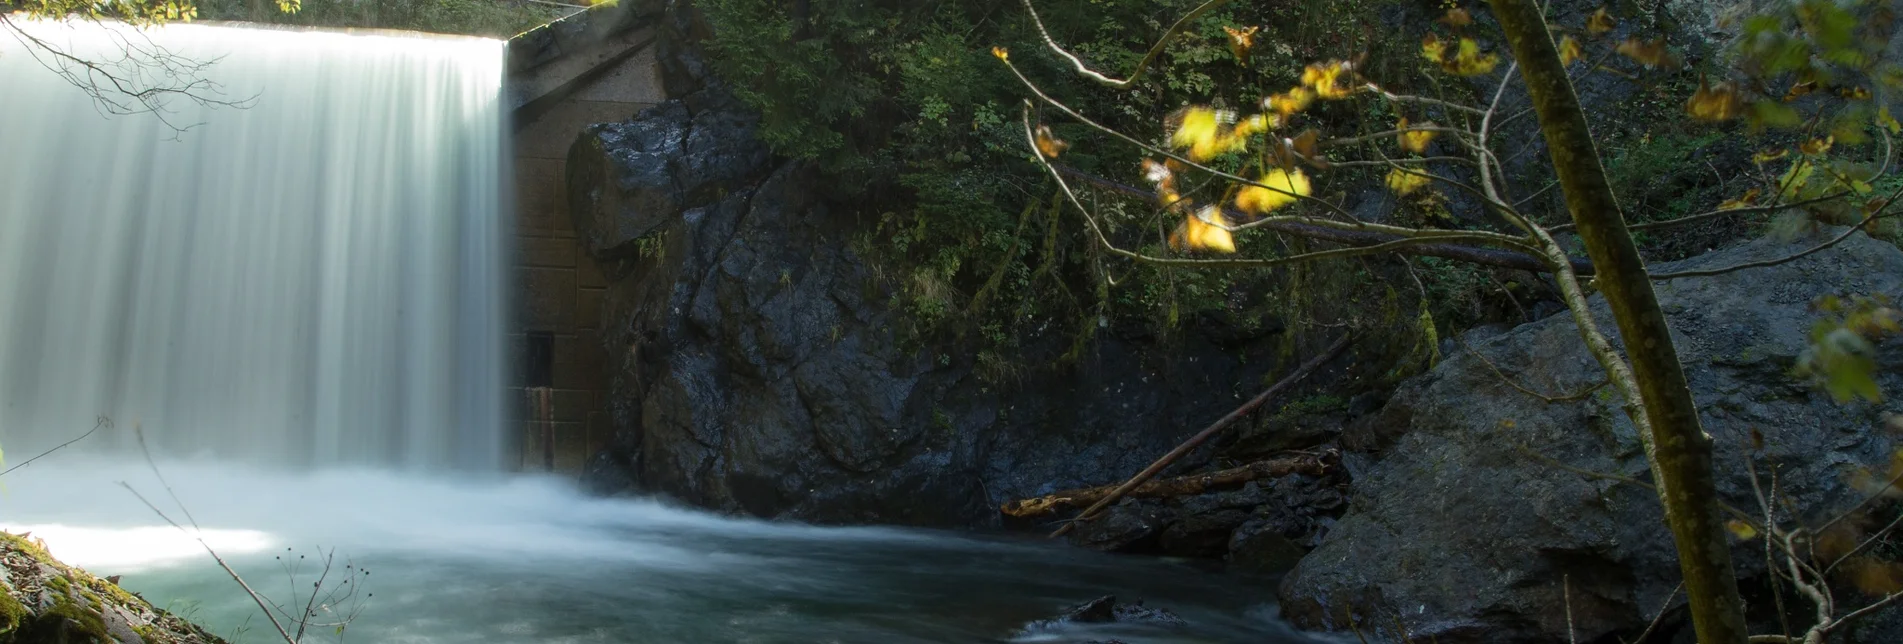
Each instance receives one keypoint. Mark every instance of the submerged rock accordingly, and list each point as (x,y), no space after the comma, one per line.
(1106,610)
(45,601)
(1461,526)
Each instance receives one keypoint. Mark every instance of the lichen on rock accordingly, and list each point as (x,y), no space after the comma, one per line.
(45,601)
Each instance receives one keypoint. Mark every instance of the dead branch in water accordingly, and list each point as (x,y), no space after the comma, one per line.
(1300,373)
(1310,464)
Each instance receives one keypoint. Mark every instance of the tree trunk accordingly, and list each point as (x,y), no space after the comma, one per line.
(1679,448)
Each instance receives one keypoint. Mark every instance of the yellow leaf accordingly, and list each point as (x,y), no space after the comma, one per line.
(1469,61)
(1768,155)
(1457,18)
(1854,93)
(1404,183)
(1256,123)
(1741,529)
(1798,90)
(1325,79)
(1873,576)
(1569,50)
(1050,145)
(1750,197)
(1204,230)
(1241,42)
(1714,102)
(1414,140)
(1284,187)
(1816,147)
(1164,179)
(1433,49)
(1650,53)
(1001,53)
(1291,102)
(1200,130)
(1600,22)
(1794,179)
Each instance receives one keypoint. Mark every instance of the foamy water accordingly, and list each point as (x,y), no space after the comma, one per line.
(531,560)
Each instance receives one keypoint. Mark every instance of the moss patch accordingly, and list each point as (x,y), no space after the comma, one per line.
(78,603)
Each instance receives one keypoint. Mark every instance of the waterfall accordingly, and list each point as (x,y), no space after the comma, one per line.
(313,277)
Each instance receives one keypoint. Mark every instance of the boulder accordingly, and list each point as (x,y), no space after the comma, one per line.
(758,364)
(1459,525)
(43,600)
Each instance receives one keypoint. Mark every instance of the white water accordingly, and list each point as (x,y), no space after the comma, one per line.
(530,560)
(314,279)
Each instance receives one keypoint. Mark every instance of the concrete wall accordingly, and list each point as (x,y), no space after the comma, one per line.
(607,76)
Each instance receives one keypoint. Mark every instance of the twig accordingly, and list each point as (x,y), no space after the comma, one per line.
(1155,50)
(221,562)
(1566,590)
(103,421)
(1510,383)
(1781,260)
(1187,445)
(1484,256)
(1659,616)
(1881,212)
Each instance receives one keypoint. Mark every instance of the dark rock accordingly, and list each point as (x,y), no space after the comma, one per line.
(610,472)
(1259,546)
(1201,534)
(758,365)
(628,179)
(1459,530)
(1132,527)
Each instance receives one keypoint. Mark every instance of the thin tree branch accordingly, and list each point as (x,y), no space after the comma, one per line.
(103,421)
(1155,50)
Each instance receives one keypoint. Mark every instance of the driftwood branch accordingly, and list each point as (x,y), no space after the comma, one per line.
(1310,464)
(1289,381)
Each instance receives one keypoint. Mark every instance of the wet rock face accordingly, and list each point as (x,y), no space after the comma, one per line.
(757,368)
(1459,522)
(43,600)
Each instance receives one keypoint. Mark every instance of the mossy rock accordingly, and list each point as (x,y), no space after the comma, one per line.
(48,602)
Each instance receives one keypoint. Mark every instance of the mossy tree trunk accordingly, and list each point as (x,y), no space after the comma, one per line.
(1679,448)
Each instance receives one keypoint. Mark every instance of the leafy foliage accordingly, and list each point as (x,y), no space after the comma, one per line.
(900,102)
(1842,355)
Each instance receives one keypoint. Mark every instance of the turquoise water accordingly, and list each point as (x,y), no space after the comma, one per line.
(531,560)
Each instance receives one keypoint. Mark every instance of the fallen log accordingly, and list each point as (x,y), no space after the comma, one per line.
(1310,464)
(1289,381)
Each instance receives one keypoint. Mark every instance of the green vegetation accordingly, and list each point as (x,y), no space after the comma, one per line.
(901,101)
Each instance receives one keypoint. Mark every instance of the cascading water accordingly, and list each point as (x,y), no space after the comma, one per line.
(310,277)
(299,302)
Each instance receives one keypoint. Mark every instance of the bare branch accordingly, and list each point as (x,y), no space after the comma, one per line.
(1580,395)
(1155,50)
(1781,260)
(1296,226)
(103,421)
(143,78)
(255,597)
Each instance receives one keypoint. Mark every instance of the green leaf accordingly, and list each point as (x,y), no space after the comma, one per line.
(1848,365)
(1769,113)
